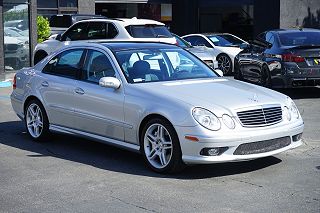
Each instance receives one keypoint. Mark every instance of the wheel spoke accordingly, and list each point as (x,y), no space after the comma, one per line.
(152,154)
(162,158)
(40,124)
(151,139)
(31,112)
(37,113)
(30,123)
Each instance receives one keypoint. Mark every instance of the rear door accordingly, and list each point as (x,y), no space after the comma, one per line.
(57,86)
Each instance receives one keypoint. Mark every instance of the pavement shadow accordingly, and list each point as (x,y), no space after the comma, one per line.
(301,93)
(114,159)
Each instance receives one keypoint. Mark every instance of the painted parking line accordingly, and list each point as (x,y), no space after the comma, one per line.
(6,83)
(4,97)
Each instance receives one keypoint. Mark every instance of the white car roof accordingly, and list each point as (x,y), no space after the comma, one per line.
(126,21)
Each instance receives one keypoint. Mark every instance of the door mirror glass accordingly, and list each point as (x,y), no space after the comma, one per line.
(244,46)
(110,82)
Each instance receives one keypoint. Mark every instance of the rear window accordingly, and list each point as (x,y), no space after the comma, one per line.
(148,31)
(299,38)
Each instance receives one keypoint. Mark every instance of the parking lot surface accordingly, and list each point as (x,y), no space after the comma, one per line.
(69,174)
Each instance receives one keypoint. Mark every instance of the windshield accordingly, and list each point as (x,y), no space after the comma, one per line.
(299,38)
(154,65)
(148,31)
(225,40)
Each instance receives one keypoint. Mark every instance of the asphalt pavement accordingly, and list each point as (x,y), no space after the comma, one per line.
(69,174)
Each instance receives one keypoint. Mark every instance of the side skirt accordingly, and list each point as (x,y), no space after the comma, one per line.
(105,140)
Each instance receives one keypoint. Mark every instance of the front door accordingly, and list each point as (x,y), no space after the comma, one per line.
(99,110)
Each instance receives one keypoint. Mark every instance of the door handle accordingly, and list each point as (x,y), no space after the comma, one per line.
(45,84)
(79,91)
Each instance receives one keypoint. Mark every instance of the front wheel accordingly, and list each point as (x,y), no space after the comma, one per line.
(36,121)
(160,146)
(265,79)
(224,64)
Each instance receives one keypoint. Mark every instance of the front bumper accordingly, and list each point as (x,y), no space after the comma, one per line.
(191,150)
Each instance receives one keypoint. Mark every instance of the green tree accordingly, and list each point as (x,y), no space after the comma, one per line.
(43,29)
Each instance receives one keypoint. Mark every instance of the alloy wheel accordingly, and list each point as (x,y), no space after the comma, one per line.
(158,146)
(34,120)
(224,64)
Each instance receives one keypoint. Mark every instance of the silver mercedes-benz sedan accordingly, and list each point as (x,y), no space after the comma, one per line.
(157,99)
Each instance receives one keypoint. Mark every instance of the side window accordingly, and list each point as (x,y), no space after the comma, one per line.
(97,30)
(270,38)
(112,31)
(202,42)
(66,64)
(97,66)
(77,32)
(191,39)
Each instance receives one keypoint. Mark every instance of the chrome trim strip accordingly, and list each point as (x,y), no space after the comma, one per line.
(60,108)
(121,144)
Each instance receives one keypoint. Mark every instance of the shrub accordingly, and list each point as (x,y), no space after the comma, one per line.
(43,28)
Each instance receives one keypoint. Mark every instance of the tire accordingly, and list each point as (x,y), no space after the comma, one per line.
(36,121)
(224,64)
(160,146)
(265,79)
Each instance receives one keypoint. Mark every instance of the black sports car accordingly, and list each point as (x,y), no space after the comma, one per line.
(281,59)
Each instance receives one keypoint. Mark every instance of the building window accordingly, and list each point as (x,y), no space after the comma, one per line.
(16,34)
(48,8)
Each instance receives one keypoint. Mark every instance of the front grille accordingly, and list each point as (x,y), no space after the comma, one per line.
(11,47)
(263,116)
(262,146)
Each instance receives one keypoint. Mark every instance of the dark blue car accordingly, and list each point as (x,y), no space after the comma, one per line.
(281,59)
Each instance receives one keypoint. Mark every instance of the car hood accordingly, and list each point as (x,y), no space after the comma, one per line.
(200,53)
(220,95)
(11,40)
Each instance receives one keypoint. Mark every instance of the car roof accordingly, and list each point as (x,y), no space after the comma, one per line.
(126,21)
(120,46)
(294,30)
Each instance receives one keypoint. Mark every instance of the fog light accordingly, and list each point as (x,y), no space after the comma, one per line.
(297,137)
(214,151)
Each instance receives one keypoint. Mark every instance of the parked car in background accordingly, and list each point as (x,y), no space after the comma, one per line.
(208,55)
(281,58)
(16,33)
(19,24)
(228,44)
(61,22)
(130,95)
(106,30)
(16,53)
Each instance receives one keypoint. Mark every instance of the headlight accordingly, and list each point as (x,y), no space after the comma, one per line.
(228,121)
(294,110)
(206,119)
(286,113)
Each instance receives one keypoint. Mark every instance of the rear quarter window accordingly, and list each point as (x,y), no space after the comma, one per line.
(148,31)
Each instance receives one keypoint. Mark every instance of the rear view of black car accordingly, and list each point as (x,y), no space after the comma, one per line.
(281,59)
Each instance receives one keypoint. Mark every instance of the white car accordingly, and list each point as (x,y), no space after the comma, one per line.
(228,44)
(106,30)
(15,53)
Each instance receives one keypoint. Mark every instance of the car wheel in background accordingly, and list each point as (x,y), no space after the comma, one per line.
(224,64)
(265,78)
(160,146)
(36,121)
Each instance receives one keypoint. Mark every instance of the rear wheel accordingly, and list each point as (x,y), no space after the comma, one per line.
(36,121)
(160,146)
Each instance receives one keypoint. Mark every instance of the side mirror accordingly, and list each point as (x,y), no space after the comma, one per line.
(110,82)
(220,73)
(58,37)
(244,46)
